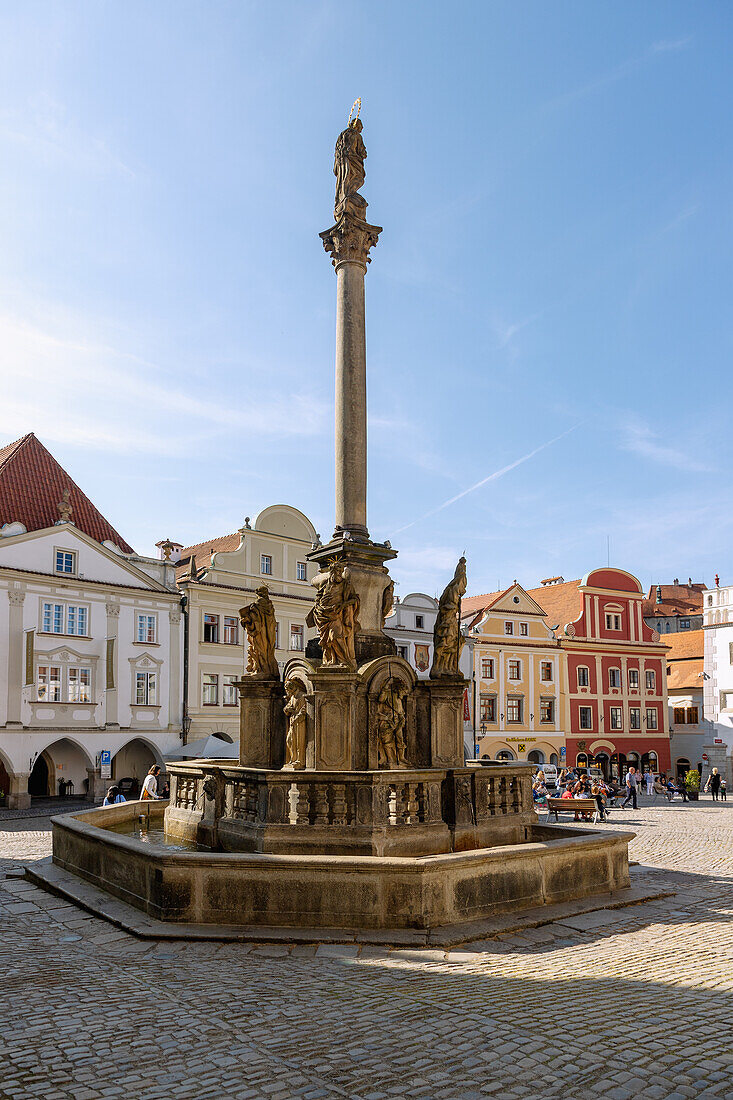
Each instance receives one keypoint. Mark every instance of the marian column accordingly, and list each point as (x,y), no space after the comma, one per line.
(348,242)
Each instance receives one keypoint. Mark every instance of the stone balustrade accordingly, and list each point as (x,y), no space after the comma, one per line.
(477,806)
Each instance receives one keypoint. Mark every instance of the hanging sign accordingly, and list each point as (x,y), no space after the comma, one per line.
(466,706)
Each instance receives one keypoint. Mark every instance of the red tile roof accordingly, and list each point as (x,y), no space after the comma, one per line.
(677,599)
(685,644)
(32,484)
(562,603)
(202,551)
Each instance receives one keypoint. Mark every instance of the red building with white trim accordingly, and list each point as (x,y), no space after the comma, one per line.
(616,678)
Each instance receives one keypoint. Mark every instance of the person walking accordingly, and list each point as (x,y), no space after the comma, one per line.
(713,784)
(150,785)
(632,780)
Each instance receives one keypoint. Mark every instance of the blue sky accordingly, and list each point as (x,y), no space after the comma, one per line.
(548,308)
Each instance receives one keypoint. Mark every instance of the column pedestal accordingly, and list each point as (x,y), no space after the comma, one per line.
(335,719)
(261,723)
(446,723)
(18,797)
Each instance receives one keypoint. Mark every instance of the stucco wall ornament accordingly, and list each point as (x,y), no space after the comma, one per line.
(258,619)
(447,640)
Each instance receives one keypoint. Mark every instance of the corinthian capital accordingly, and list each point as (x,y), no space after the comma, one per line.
(350,240)
(16,596)
(113,610)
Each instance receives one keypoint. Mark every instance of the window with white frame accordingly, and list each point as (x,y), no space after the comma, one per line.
(266,564)
(508,628)
(634,718)
(65,562)
(229,691)
(296,637)
(651,679)
(651,718)
(487,712)
(546,671)
(210,689)
(633,675)
(585,718)
(583,676)
(65,618)
(79,684)
(616,718)
(231,630)
(419,622)
(514,708)
(211,627)
(547,710)
(487,668)
(301,571)
(614,677)
(146,687)
(146,630)
(515,670)
(48,684)
(524,629)
(613,621)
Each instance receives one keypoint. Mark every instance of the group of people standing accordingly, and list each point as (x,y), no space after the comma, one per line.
(573,783)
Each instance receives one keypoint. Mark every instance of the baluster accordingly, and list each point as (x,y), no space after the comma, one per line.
(229,799)
(502,807)
(252,801)
(411,803)
(339,803)
(392,805)
(321,807)
(302,802)
(422,802)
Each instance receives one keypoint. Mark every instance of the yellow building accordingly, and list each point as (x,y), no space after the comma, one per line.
(520,679)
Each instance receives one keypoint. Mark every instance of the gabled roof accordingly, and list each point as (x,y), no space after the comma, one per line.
(31,485)
(562,603)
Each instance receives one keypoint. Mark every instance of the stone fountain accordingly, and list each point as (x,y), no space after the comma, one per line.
(351,805)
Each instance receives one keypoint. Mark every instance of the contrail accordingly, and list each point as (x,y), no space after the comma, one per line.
(491,477)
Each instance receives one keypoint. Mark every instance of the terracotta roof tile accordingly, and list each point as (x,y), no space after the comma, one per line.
(685,675)
(684,644)
(677,599)
(201,551)
(562,603)
(31,485)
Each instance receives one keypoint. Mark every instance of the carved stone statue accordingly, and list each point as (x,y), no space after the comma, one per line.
(258,619)
(391,725)
(65,507)
(296,709)
(348,168)
(335,616)
(447,641)
(387,601)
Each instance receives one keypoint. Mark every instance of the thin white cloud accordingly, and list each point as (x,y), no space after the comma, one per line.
(670,45)
(638,438)
(62,382)
(489,478)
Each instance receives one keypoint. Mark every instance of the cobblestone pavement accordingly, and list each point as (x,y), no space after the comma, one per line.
(611,1004)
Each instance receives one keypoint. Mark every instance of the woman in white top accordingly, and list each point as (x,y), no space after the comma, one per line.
(150,786)
(650,777)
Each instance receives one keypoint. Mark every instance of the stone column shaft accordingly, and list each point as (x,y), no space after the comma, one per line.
(351,399)
(16,599)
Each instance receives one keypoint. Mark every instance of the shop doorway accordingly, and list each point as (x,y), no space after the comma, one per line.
(603,761)
(505,754)
(682,767)
(536,756)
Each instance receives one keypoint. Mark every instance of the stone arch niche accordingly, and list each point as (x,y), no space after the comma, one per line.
(376,676)
(301,669)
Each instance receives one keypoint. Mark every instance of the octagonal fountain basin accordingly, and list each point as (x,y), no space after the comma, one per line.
(170,880)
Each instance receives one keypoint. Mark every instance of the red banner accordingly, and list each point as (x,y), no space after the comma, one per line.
(466,707)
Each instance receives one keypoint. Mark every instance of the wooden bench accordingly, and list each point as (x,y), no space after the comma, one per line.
(572,806)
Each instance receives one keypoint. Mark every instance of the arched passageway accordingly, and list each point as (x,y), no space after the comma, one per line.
(133,762)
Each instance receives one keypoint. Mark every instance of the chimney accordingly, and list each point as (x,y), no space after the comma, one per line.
(689,582)
(170,551)
(676,581)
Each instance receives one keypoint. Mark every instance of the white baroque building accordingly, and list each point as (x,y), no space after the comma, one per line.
(718,681)
(90,640)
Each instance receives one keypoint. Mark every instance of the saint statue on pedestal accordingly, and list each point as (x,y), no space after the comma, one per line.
(296,710)
(447,641)
(348,168)
(258,619)
(335,616)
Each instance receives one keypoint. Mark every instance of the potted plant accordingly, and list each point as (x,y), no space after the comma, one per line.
(692,782)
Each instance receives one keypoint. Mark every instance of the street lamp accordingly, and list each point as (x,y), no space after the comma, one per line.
(186,727)
(476,744)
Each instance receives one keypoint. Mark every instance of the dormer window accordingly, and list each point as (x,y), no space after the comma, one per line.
(419,622)
(613,621)
(66,562)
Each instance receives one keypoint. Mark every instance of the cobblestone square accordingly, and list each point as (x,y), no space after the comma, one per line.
(611,1004)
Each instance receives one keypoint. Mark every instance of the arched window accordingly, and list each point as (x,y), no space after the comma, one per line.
(536,756)
(581,760)
(553,758)
(505,754)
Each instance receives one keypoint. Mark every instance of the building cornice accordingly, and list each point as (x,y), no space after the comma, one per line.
(81,582)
